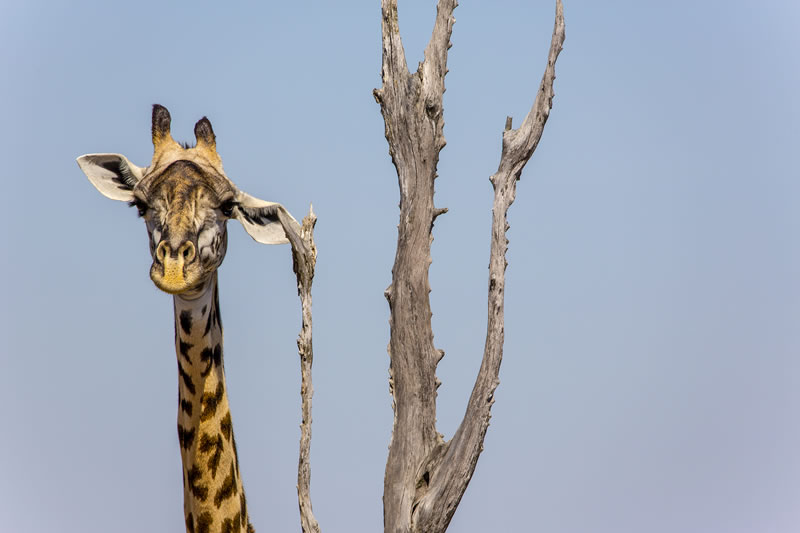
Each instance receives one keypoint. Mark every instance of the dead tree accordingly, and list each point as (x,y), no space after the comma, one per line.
(426,476)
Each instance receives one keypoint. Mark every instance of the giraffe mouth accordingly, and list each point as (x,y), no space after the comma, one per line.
(174,277)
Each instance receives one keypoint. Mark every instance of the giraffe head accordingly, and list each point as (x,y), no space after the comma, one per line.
(185,199)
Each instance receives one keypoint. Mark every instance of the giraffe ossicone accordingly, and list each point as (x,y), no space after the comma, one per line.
(186,199)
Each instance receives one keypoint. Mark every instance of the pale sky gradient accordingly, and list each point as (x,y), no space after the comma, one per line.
(651,379)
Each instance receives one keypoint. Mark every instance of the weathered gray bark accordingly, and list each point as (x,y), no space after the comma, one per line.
(425,476)
(304,253)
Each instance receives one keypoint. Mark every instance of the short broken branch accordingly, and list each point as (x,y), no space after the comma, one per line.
(439,211)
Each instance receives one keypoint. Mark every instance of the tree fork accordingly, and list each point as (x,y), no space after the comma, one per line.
(425,476)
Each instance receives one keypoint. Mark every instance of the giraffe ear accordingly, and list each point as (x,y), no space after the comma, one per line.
(266,222)
(112,174)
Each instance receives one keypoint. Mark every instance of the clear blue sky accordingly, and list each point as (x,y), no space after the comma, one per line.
(651,380)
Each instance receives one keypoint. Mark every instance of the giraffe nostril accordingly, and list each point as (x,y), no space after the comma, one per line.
(188,251)
(162,251)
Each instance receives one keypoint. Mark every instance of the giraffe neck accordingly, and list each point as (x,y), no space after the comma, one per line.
(213,497)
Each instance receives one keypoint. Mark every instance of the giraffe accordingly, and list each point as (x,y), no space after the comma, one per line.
(186,199)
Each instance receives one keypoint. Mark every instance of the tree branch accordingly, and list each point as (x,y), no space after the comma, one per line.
(411,105)
(394,56)
(459,457)
(434,67)
(519,144)
(304,254)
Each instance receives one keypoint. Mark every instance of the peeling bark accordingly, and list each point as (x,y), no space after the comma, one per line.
(425,476)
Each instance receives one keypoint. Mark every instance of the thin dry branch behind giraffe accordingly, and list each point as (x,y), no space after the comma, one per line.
(186,199)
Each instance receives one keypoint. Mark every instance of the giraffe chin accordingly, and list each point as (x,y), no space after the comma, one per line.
(173,281)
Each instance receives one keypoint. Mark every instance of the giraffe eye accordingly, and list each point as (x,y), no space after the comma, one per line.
(227,208)
(140,206)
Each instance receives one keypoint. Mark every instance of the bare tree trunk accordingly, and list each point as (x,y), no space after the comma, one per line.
(426,476)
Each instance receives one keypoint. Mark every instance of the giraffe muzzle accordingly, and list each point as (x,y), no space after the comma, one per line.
(175,271)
